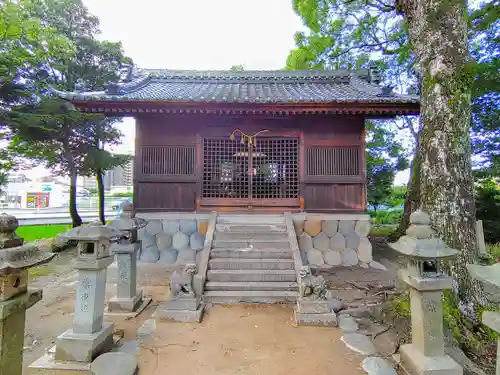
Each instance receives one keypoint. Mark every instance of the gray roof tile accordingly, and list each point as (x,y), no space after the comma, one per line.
(246,87)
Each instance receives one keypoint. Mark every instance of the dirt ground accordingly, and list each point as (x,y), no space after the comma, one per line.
(248,339)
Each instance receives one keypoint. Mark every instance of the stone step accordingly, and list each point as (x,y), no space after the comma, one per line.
(251,286)
(251,275)
(247,253)
(250,264)
(254,296)
(242,236)
(254,228)
(258,244)
(250,219)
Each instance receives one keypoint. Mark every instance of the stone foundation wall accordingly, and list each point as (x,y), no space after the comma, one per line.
(171,241)
(334,240)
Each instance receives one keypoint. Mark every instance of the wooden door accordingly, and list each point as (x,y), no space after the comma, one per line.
(262,173)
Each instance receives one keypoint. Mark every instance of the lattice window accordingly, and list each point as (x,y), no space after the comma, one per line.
(333,161)
(267,170)
(169,160)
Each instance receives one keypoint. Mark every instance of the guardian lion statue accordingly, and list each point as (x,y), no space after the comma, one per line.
(181,283)
(311,287)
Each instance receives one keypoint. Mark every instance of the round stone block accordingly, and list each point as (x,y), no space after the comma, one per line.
(312,227)
(114,363)
(337,242)
(315,257)
(346,226)
(188,226)
(171,226)
(202,227)
(321,242)
(168,256)
(150,254)
(196,241)
(299,227)
(363,227)
(332,258)
(330,227)
(148,240)
(377,265)
(365,250)
(352,240)
(305,242)
(154,227)
(163,241)
(186,256)
(349,258)
(180,241)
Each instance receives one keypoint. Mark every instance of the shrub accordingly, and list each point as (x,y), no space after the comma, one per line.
(386,217)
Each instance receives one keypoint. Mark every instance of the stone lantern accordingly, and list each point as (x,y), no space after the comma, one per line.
(89,336)
(15,297)
(128,299)
(424,252)
(490,277)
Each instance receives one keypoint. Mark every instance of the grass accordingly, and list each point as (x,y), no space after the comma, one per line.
(38,232)
(381,231)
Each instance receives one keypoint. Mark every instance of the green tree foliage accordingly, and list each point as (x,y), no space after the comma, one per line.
(371,33)
(237,68)
(77,138)
(27,46)
(384,158)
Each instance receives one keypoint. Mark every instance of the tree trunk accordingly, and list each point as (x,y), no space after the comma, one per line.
(76,220)
(412,196)
(438,35)
(100,192)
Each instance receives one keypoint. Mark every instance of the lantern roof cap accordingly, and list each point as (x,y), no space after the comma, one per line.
(421,242)
(126,223)
(95,231)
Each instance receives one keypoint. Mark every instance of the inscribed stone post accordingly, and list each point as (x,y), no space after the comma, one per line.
(89,336)
(128,299)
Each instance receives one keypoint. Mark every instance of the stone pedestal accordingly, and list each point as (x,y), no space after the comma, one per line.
(313,307)
(185,303)
(181,309)
(129,300)
(315,312)
(88,337)
(425,355)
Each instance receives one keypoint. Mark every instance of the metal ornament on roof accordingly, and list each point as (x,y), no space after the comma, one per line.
(95,231)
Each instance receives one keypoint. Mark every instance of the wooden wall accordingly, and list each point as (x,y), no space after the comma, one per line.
(332,158)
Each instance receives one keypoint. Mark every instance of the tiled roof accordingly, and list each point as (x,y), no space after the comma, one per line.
(280,87)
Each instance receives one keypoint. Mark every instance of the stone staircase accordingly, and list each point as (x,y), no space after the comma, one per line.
(251,261)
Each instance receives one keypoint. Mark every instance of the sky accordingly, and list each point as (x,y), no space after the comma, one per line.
(198,34)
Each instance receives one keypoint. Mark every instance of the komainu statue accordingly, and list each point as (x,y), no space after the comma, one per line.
(311,287)
(181,283)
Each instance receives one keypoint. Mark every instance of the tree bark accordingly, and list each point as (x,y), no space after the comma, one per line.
(76,220)
(438,35)
(100,192)
(412,196)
